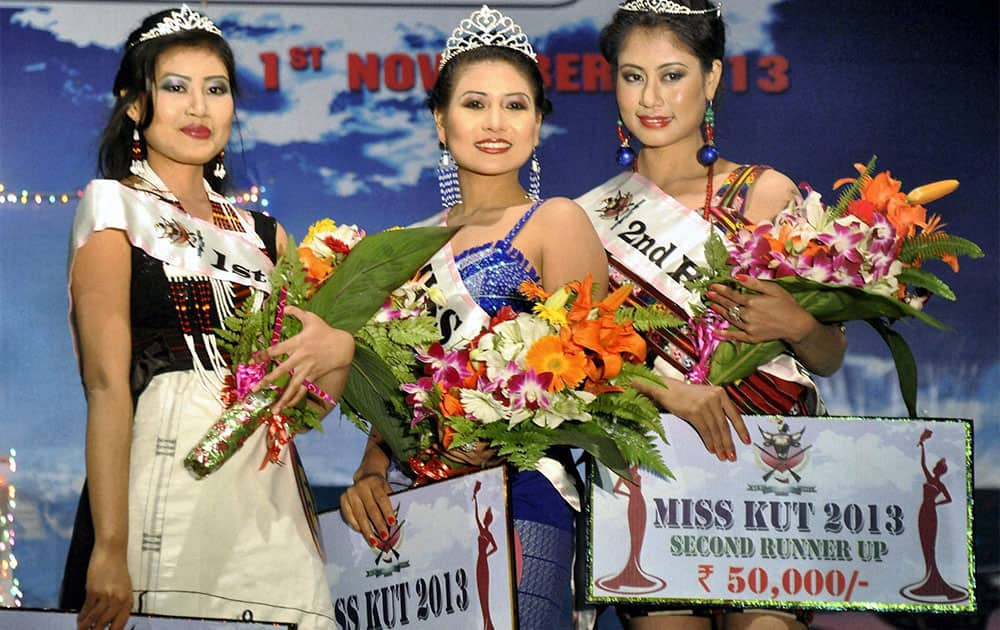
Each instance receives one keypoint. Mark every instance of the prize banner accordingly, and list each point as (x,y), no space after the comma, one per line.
(27,619)
(446,562)
(822,512)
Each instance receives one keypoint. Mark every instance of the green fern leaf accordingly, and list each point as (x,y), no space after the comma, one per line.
(936,245)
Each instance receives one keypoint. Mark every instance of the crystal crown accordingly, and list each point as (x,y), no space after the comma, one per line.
(486,27)
(183,19)
(666,7)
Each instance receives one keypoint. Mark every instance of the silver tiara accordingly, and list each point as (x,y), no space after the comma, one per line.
(666,7)
(185,19)
(486,27)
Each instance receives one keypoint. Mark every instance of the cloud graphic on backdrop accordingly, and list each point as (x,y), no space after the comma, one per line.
(392,131)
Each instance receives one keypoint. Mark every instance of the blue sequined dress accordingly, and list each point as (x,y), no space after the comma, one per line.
(543,521)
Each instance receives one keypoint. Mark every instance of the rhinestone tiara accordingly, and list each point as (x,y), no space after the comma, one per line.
(486,27)
(666,7)
(183,19)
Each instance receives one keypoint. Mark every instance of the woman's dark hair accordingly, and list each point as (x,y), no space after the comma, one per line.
(440,95)
(704,35)
(134,83)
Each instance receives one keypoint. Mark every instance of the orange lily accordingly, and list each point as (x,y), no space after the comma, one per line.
(881,189)
(611,342)
(904,217)
(610,304)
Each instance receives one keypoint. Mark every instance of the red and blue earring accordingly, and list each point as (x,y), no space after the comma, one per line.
(708,154)
(626,154)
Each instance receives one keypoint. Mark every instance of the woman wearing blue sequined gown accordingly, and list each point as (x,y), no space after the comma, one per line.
(488,104)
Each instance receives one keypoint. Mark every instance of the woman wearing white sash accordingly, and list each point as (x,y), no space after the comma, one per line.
(667,58)
(488,103)
(157,260)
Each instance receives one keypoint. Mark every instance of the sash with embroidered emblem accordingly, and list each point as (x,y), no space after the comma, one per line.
(167,233)
(202,262)
(657,244)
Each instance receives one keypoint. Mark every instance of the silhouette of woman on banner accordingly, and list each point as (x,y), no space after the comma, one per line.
(933,587)
(487,547)
(632,578)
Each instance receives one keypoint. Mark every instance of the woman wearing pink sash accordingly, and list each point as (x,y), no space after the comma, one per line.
(158,259)
(667,58)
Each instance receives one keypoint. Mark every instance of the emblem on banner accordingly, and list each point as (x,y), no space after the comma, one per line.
(387,556)
(178,234)
(618,207)
(782,456)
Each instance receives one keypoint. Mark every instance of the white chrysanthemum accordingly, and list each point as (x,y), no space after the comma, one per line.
(568,405)
(482,406)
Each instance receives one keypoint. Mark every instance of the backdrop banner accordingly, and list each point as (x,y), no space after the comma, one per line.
(824,512)
(332,121)
(445,563)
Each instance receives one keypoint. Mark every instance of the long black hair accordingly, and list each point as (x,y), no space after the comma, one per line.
(134,83)
(703,34)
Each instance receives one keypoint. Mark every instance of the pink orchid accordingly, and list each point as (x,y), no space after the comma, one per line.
(449,368)
(529,390)
(419,394)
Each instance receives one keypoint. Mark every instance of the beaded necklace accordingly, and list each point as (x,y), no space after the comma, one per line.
(193,295)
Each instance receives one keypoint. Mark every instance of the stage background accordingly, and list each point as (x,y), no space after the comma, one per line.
(332,123)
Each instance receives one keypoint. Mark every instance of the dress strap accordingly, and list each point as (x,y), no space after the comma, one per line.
(733,193)
(507,240)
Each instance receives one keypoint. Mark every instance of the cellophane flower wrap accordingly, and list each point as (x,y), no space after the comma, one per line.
(859,259)
(338,273)
(560,375)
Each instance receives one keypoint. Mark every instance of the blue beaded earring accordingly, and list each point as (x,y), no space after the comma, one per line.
(451,194)
(535,177)
(708,154)
(626,154)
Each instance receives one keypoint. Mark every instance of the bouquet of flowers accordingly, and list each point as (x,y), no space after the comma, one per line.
(860,259)
(338,273)
(560,375)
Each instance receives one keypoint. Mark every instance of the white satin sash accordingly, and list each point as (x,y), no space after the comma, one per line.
(663,242)
(460,320)
(167,233)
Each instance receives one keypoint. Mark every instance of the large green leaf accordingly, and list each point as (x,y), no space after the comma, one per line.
(906,366)
(377,265)
(732,361)
(602,447)
(926,280)
(831,304)
(372,392)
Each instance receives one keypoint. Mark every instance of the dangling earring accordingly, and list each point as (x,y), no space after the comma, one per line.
(626,154)
(451,194)
(535,177)
(220,167)
(708,153)
(136,167)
